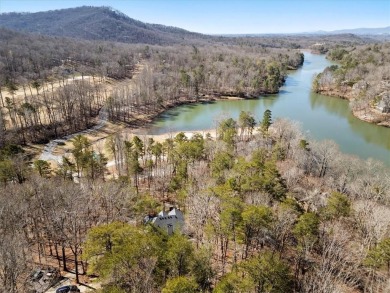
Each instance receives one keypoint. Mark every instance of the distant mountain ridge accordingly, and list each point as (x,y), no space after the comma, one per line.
(107,24)
(96,23)
(358,31)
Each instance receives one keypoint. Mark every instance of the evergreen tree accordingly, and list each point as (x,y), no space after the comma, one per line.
(227,131)
(269,273)
(256,222)
(247,123)
(266,122)
(42,167)
(179,255)
(379,255)
(180,285)
(338,206)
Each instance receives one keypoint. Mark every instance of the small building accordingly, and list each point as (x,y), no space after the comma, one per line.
(171,221)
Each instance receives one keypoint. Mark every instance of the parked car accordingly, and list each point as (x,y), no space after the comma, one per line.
(66,289)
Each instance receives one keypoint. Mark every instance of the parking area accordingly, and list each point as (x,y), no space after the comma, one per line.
(69,280)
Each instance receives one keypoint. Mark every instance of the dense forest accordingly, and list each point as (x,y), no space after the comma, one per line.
(108,24)
(51,87)
(266,209)
(96,23)
(362,75)
(174,75)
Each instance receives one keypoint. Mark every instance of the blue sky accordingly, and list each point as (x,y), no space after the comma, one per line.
(233,16)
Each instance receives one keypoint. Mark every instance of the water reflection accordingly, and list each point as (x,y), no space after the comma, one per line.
(321,116)
(372,134)
(331,104)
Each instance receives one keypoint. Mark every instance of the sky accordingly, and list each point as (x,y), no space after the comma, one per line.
(234,16)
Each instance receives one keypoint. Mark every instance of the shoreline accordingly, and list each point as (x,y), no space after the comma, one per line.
(58,147)
(370,115)
(205,99)
(140,123)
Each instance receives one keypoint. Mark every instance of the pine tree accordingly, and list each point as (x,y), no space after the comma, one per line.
(266,122)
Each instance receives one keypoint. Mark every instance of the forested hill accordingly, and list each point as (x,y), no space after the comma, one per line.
(96,23)
(107,24)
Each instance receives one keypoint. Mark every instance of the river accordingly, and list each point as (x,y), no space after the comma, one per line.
(321,117)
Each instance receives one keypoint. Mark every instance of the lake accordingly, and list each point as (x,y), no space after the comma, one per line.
(321,117)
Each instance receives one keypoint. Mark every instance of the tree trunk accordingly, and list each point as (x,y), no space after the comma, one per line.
(76,266)
(57,256)
(64,259)
(1,97)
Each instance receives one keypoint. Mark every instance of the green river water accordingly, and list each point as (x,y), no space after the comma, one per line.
(321,117)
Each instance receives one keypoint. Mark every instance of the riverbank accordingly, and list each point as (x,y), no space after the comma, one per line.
(103,128)
(140,112)
(140,125)
(368,114)
(319,116)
